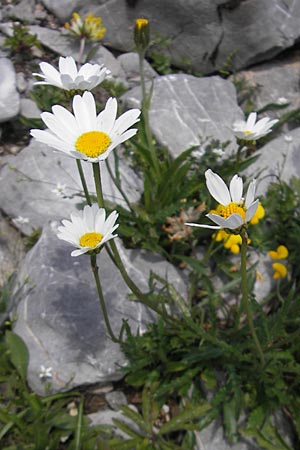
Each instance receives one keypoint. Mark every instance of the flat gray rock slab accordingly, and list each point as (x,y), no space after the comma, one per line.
(62,9)
(280,156)
(130,64)
(59,316)
(205,35)
(189,111)
(273,82)
(9,97)
(28,179)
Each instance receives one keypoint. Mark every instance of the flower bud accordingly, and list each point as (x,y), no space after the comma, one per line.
(141,34)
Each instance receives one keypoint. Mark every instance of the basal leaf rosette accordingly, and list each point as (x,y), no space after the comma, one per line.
(84,134)
(88,229)
(234,210)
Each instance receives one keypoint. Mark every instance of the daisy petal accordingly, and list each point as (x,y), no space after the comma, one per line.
(217,188)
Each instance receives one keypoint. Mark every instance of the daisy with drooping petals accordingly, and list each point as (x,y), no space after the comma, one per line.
(251,130)
(88,229)
(86,135)
(69,77)
(233,211)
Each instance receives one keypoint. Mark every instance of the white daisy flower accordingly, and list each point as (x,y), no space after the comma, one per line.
(88,229)
(45,372)
(86,135)
(233,211)
(69,77)
(251,130)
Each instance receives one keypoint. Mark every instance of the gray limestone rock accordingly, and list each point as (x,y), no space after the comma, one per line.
(9,96)
(59,316)
(280,156)
(206,35)
(23,11)
(62,9)
(66,46)
(29,109)
(130,64)
(115,399)
(273,82)
(188,111)
(31,177)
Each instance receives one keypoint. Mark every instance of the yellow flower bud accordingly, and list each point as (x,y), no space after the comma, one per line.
(280,253)
(141,34)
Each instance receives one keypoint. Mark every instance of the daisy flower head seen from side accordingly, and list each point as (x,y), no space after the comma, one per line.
(233,210)
(69,77)
(84,134)
(251,129)
(88,229)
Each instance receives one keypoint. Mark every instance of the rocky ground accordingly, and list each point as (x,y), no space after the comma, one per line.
(57,330)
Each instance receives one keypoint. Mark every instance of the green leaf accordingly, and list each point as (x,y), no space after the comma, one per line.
(185,418)
(19,354)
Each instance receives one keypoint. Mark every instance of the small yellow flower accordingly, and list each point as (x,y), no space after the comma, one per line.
(232,242)
(90,28)
(260,213)
(280,270)
(280,253)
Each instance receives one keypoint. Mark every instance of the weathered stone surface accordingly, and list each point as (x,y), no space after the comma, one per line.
(130,64)
(66,46)
(205,34)
(59,315)
(24,11)
(28,179)
(115,399)
(273,82)
(62,9)
(281,155)
(9,97)
(29,109)
(188,111)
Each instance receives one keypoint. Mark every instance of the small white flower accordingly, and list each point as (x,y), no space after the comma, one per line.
(45,372)
(88,229)
(233,210)
(69,77)
(86,135)
(218,151)
(59,190)
(20,220)
(282,101)
(288,138)
(251,130)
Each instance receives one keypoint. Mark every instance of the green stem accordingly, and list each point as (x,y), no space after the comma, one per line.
(101,298)
(118,186)
(154,158)
(245,297)
(81,50)
(83,182)
(97,178)
(114,254)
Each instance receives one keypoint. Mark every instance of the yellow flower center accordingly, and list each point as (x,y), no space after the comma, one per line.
(231,208)
(247,132)
(93,143)
(90,239)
